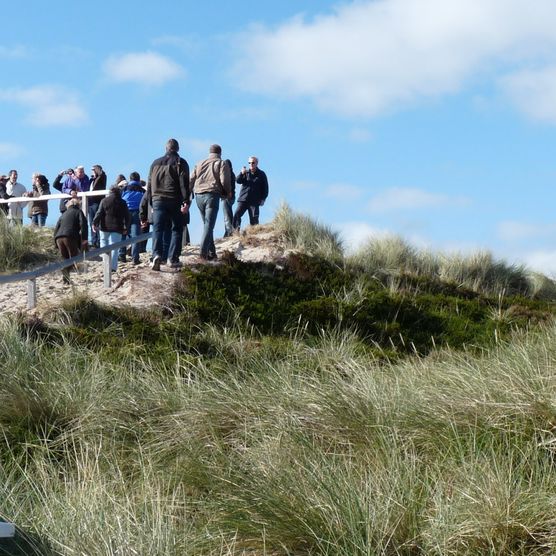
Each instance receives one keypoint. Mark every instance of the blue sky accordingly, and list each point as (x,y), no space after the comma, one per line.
(430,119)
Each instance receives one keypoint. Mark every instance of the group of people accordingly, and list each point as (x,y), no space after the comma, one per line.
(38,210)
(132,205)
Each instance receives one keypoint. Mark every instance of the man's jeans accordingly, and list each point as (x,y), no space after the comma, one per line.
(38,220)
(208,206)
(109,238)
(228,215)
(165,212)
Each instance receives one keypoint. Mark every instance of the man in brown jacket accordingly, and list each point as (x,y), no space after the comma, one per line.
(210,181)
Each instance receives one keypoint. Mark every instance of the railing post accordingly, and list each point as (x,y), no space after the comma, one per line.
(31,293)
(107,269)
(85,206)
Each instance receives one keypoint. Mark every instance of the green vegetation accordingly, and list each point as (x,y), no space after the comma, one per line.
(327,406)
(23,247)
(293,445)
(303,233)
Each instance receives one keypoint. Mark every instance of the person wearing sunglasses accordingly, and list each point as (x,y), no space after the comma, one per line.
(253,194)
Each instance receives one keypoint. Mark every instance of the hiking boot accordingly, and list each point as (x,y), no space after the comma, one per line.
(176,264)
(155,265)
(122,258)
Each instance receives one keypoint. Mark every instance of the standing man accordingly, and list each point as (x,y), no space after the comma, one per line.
(71,180)
(168,192)
(210,181)
(70,233)
(15,189)
(254,191)
(98,183)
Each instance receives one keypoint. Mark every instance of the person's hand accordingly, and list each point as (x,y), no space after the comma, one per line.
(244,170)
(95,229)
(261,203)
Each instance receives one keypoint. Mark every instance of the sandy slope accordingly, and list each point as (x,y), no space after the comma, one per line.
(135,286)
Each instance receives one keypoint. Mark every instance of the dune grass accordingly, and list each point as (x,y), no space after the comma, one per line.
(305,234)
(391,260)
(257,419)
(24,246)
(303,445)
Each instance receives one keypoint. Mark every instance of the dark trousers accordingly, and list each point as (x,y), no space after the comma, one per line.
(167,211)
(241,209)
(134,231)
(93,207)
(68,247)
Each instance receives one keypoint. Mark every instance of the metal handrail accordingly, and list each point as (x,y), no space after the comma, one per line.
(82,194)
(32,275)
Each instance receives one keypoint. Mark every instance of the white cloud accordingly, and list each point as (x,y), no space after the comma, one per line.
(48,105)
(148,68)
(9,151)
(542,261)
(512,231)
(533,92)
(372,56)
(355,234)
(343,191)
(406,198)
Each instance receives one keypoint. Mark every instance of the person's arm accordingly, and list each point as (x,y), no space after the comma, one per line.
(144,209)
(127,219)
(57,184)
(226,178)
(264,187)
(84,228)
(56,228)
(242,176)
(185,182)
(98,216)
(192,180)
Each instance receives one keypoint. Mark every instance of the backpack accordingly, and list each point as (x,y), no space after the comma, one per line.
(232,177)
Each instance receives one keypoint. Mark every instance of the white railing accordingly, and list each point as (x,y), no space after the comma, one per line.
(81,194)
(32,275)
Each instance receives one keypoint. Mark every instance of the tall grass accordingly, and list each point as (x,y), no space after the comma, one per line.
(303,233)
(278,446)
(22,246)
(391,258)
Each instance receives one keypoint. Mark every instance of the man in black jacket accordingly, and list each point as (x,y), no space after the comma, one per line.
(168,193)
(254,191)
(70,233)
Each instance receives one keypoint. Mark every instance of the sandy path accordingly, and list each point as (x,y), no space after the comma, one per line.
(136,286)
